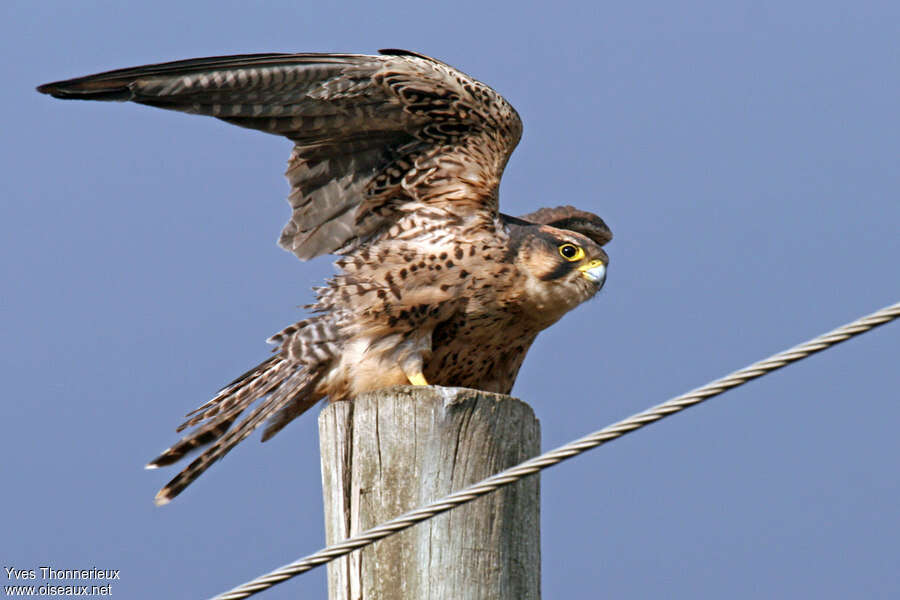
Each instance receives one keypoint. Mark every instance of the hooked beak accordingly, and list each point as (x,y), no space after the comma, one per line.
(595,272)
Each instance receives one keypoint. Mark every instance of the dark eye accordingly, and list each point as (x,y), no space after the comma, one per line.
(571,252)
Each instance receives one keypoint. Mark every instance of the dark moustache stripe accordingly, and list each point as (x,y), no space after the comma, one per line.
(561,270)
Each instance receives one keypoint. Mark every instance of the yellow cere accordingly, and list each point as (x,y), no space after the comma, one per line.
(591,265)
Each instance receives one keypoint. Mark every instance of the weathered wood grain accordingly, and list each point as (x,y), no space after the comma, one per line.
(393,450)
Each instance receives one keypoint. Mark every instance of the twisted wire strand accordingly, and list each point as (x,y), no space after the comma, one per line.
(531,466)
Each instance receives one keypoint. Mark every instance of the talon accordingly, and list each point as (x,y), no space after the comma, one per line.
(417,379)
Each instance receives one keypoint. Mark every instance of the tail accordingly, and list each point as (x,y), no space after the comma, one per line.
(279,382)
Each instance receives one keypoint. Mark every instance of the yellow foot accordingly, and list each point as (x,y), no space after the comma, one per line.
(417,379)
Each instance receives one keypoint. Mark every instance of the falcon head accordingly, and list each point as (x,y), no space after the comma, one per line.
(559,252)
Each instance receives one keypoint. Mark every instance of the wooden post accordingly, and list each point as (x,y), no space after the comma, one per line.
(390,451)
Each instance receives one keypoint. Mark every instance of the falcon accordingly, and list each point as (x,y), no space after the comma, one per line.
(395,168)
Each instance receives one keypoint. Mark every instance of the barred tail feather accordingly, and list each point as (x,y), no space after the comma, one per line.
(255,383)
(288,413)
(278,382)
(220,412)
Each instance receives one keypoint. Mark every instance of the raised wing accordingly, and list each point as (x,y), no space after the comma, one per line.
(375,136)
(568,217)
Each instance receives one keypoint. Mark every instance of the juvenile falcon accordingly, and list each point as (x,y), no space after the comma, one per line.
(396,164)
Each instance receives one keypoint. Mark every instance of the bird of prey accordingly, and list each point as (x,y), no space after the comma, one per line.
(396,165)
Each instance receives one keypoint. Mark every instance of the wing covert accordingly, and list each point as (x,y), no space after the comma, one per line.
(569,217)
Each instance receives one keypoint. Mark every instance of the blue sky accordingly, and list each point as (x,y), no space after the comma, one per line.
(745,155)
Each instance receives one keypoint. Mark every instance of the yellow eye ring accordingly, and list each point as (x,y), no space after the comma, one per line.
(571,252)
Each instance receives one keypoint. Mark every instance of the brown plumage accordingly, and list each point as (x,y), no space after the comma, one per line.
(396,165)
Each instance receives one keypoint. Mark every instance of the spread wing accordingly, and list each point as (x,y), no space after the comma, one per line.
(375,136)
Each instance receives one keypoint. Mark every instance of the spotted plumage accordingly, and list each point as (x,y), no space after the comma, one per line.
(395,168)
